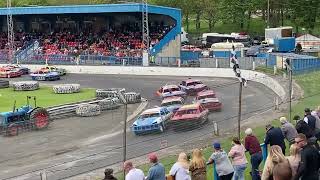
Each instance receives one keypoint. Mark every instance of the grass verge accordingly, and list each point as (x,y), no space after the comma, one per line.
(311,87)
(45,97)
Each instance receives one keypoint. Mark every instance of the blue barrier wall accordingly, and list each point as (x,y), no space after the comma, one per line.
(190,55)
(224,54)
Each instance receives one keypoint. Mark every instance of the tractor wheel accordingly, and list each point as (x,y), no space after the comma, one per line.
(12,130)
(40,118)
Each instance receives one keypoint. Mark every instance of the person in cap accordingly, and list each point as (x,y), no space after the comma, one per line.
(288,130)
(274,136)
(252,145)
(108,174)
(157,171)
(224,167)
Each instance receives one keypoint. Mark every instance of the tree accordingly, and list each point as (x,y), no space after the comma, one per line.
(210,12)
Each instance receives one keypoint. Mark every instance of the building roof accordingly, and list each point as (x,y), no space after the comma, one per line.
(307,37)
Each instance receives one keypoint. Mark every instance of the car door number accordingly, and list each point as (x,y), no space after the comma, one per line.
(40,78)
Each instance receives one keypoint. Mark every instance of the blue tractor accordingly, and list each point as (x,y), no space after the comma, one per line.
(24,118)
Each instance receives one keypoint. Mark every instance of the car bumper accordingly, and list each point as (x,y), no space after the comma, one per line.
(213,108)
(145,129)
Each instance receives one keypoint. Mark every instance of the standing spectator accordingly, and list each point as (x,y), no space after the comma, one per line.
(317,129)
(132,173)
(302,127)
(157,171)
(310,160)
(223,165)
(282,171)
(180,170)
(294,158)
(274,136)
(108,175)
(288,130)
(310,120)
(275,156)
(239,161)
(253,146)
(198,166)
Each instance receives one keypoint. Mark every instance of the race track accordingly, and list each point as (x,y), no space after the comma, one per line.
(106,147)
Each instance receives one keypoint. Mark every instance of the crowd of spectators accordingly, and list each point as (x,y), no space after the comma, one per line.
(302,163)
(124,41)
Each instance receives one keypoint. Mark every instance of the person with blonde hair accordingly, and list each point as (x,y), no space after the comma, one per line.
(180,169)
(275,156)
(294,158)
(198,166)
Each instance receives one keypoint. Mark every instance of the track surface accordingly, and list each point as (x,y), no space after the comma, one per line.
(75,155)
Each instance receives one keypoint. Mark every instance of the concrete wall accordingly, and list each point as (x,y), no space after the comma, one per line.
(173,71)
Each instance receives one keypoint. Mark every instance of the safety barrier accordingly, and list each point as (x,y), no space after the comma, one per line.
(4,84)
(25,85)
(109,60)
(87,110)
(66,88)
(264,148)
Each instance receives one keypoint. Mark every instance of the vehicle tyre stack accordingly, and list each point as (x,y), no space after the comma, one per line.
(109,103)
(25,85)
(132,97)
(4,84)
(86,110)
(107,93)
(66,88)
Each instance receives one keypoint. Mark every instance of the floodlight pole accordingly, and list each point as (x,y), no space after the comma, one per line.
(123,100)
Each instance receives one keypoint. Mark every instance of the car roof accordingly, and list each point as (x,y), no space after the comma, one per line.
(170,86)
(153,110)
(190,106)
(172,98)
(191,80)
(210,100)
(205,93)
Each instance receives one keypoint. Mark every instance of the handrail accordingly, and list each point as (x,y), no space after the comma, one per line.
(165,40)
(264,148)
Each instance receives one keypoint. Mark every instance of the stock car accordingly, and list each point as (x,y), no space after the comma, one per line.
(61,71)
(208,100)
(151,120)
(22,70)
(45,76)
(192,86)
(169,91)
(6,72)
(191,115)
(172,103)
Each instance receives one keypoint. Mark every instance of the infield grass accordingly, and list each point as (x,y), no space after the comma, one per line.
(45,97)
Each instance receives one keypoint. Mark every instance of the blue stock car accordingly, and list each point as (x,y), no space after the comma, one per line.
(151,120)
(45,76)
(172,103)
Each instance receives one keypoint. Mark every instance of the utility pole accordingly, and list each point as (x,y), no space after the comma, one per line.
(240,104)
(289,70)
(10,32)
(123,100)
(268,14)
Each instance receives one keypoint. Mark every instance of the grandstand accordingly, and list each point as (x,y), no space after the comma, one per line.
(105,32)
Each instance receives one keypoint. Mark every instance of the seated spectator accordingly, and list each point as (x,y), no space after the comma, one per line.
(288,130)
(224,167)
(132,173)
(198,166)
(282,171)
(253,146)
(274,136)
(108,175)
(310,160)
(180,170)
(157,171)
(294,158)
(275,156)
(239,161)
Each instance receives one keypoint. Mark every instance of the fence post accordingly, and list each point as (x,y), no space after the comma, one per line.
(217,63)
(274,69)
(215,128)
(215,174)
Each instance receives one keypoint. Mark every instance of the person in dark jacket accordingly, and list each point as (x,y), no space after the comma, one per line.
(310,120)
(310,160)
(303,127)
(274,136)
(252,145)
(108,175)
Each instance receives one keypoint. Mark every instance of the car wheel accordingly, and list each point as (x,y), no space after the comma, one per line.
(161,128)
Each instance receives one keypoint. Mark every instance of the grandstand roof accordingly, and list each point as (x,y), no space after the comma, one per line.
(100,8)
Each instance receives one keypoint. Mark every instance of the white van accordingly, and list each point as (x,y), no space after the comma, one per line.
(184,38)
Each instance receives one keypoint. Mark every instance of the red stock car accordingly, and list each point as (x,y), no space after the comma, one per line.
(208,100)
(6,72)
(189,116)
(192,86)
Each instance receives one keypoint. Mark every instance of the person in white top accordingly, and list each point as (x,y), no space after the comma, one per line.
(132,173)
